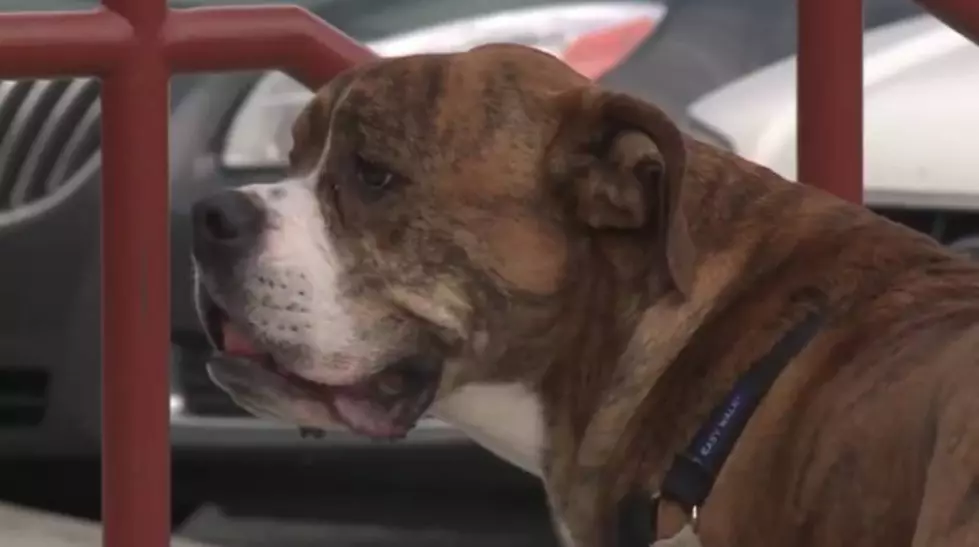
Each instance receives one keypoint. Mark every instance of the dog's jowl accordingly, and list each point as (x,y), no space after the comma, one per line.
(671,337)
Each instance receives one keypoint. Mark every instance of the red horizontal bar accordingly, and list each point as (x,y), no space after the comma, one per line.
(39,44)
(237,38)
(830,96)
(961,15)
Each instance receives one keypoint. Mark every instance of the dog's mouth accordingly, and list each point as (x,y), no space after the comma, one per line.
(386,404)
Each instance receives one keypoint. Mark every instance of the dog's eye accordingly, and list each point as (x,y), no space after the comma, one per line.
(373,175)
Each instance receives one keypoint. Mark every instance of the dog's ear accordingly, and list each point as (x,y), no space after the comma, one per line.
(308,136)
(620,163)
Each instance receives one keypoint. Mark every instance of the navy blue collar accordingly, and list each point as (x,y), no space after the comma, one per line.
(691,477)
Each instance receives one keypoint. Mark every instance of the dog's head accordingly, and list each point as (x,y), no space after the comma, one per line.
(437,204)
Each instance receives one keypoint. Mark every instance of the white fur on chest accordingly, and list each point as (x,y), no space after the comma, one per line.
(506,419)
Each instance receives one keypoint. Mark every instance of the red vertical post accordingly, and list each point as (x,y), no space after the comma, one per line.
(136,286)
(830,96)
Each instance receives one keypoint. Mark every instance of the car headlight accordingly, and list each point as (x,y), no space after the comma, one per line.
(591,37)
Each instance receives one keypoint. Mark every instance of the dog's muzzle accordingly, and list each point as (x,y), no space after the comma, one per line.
(227,231)
(386,404)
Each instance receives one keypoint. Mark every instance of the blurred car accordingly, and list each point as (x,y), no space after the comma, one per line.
(231,129)
(702,45)
(921,79)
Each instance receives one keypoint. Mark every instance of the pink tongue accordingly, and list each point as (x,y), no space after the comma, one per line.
(236,343)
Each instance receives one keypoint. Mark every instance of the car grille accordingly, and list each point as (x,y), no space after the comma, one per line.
(23,397)
(50,128)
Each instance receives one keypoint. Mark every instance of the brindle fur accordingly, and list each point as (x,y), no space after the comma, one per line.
(629,274)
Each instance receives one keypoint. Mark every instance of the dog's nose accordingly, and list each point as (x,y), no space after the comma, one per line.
(226,225)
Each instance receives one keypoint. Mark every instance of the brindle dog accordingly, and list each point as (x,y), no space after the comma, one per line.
(563,274)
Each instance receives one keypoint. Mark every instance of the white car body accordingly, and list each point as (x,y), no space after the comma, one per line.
(921,113)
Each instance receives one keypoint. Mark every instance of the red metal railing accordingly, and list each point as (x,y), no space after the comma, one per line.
(134,46)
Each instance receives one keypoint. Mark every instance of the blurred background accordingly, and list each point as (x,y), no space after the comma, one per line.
(725,71)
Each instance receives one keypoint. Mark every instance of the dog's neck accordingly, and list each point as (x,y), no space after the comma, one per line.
(558,355)
(670,361)
(503,407)
(560,419)
(564,373)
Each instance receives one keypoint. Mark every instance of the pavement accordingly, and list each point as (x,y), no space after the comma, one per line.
(411,500)
(216,526)
(422,527)
(21,527)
